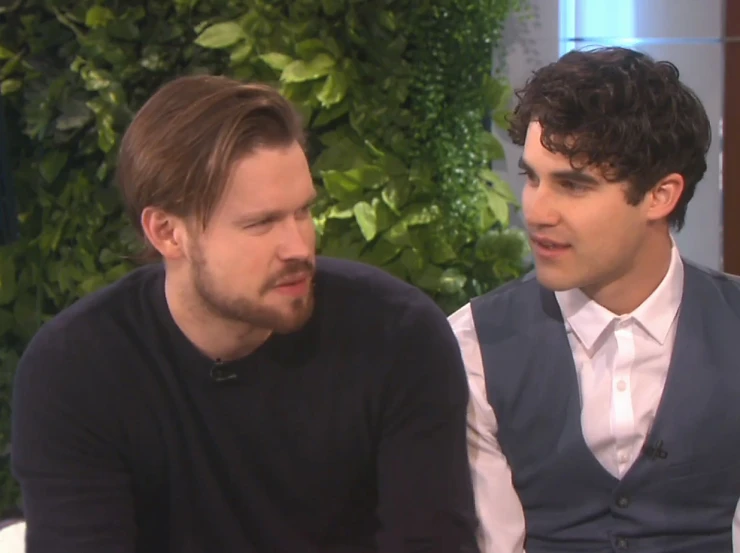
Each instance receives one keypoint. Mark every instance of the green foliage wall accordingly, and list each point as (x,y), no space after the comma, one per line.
(395,94)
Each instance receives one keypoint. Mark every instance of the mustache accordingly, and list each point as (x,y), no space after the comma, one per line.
(296,267)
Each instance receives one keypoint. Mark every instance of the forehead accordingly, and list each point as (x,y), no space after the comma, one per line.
(539,157)
(267,176)
(543,161)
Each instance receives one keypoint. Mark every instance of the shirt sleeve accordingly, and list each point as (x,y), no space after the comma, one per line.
(425,493)
(76,491)
(502,527)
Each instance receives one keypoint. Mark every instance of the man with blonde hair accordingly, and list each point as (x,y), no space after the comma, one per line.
(242,395)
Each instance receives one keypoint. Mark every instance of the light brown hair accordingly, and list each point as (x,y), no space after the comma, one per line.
(179,151)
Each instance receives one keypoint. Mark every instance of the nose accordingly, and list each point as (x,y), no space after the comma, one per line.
(297,239)
(539,206)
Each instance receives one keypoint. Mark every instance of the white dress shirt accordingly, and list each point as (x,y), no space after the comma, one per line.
(621,363)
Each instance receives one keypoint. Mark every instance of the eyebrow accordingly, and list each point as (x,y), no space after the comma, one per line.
(570,175)
(250,218)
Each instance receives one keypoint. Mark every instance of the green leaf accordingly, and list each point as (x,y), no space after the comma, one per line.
(9,86)
(499,206)
(413,261)
(452,281)
(430,278)
(387,20)
(396,193)
(5,54)
(300,71)
(366,219)
(276,60)
(340,212)
(492,146)
(421,214)
(370,177)
(440,250)
(307,49)
(334,89)
(341,185)
(499,185)
(380,253)
(398,234)
(385,218)
(98,16)
(52,164)
(220,35)
(75,114)
(241,52)
(328,115)
(332,7)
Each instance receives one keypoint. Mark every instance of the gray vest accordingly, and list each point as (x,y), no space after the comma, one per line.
(680,495)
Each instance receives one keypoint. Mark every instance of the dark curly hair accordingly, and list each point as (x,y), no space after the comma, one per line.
(620,111)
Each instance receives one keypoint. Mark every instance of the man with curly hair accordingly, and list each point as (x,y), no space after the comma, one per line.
(604,386)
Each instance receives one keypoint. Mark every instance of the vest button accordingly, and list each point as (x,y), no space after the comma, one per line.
(621,543)
(623,502)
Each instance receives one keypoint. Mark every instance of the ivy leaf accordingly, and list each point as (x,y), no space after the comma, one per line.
(499,185)
(52,164)
(340,185)
(452,281)
(98,16)
(220,35)
(299,70)
(412,260)
(326,116)
(398,234)
(276,60)
(421,214)
(241,52)
(441,250)
(492,146)
(430,278)
(380,253)
(332,7)
(366,219)
(9,86)
(396,193)
(334,89)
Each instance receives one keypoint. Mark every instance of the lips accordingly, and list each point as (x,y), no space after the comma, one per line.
(549,244)
(293,280)
(548,250)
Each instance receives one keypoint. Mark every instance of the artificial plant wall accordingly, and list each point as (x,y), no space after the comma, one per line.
(396,94)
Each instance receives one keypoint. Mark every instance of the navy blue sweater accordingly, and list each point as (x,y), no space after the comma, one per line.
(347,436)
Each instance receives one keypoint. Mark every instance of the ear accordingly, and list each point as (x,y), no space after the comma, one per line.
(662,199)
(165,232)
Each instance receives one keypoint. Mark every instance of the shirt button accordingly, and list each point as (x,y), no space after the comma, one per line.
(624,458)
(621,543)
(623,502)
(621,385)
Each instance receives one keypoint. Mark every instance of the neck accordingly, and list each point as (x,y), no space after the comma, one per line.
(217,338)
(641,277)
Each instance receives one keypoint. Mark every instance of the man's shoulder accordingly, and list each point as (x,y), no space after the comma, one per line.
(368,287)
(712,286)
(97,317)
(515,291)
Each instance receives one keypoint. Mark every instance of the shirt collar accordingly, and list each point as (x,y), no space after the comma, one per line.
(588,320)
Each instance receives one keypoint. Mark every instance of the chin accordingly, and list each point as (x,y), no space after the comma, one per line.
(555,283)
(294,320)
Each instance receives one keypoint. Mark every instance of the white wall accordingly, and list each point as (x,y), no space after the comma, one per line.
(686,32)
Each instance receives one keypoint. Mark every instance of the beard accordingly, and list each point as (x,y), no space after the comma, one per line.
(253,311)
